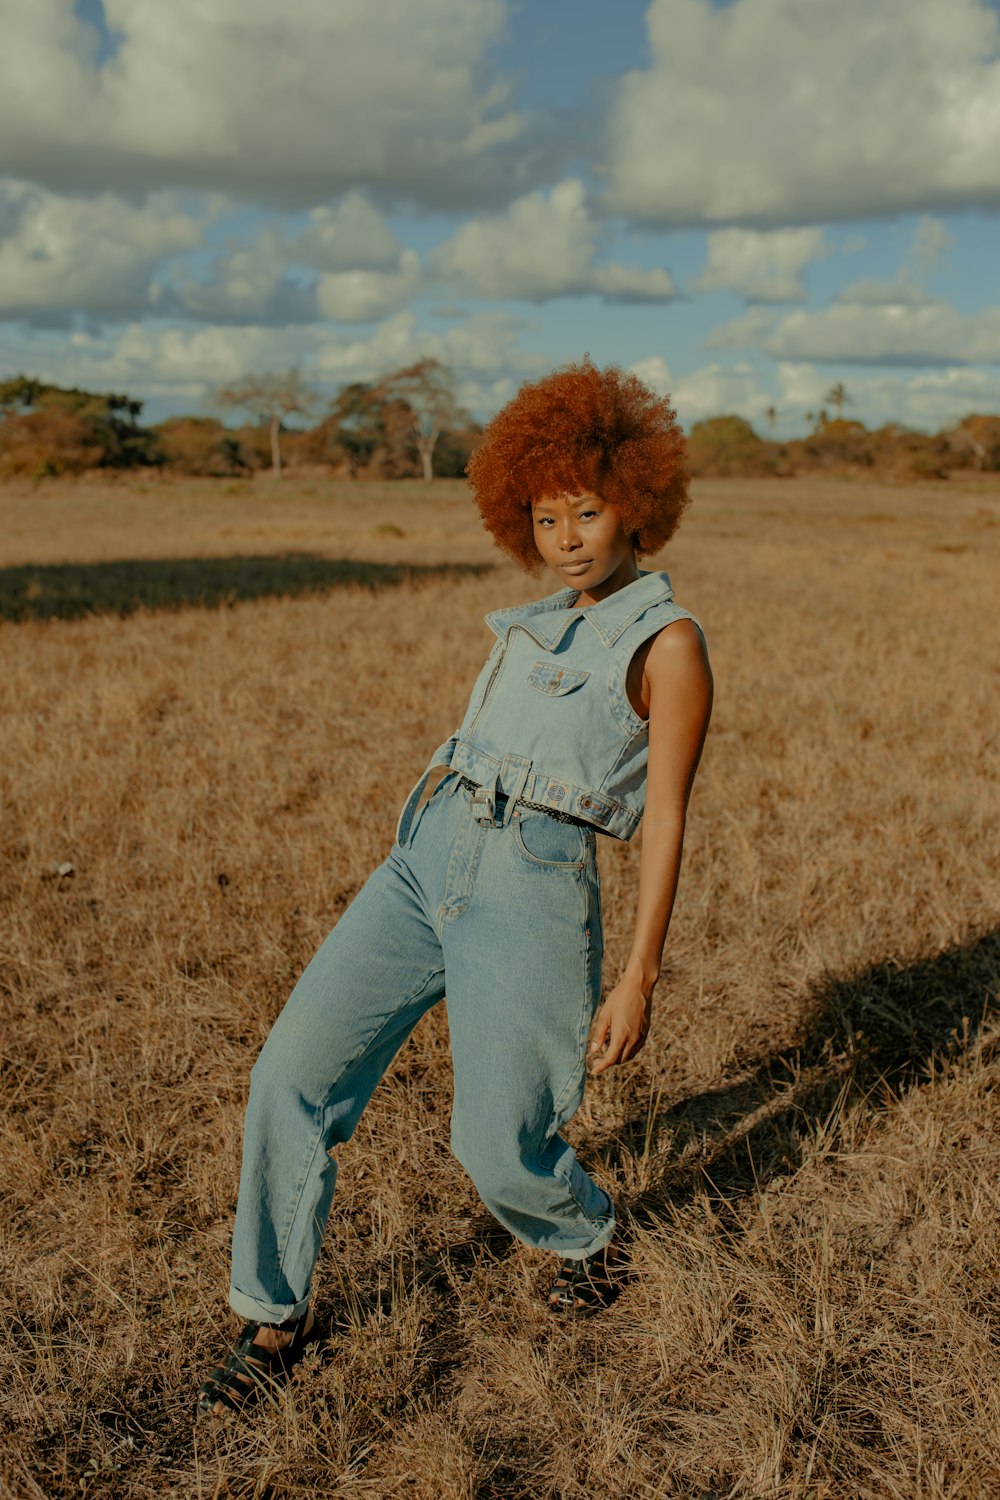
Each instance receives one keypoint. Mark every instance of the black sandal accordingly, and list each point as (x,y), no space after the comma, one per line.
(584,1287)
(252,1371)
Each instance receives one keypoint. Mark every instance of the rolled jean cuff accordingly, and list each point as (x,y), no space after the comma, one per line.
(264,1312)
(603,1237)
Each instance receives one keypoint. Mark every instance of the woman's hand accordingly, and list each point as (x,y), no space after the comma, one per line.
(621,1025)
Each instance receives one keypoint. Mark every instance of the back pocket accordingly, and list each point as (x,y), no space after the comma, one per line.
(548,677)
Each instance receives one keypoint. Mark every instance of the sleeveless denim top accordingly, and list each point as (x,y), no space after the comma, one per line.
(549,720)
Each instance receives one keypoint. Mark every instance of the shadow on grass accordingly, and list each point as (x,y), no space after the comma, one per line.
(69,591)
(872,1036)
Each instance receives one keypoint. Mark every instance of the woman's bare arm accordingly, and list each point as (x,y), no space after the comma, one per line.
(678,680)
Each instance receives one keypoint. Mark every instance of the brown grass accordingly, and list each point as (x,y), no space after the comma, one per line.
(807,1150)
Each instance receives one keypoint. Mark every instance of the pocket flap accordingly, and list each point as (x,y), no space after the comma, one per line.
(549,677)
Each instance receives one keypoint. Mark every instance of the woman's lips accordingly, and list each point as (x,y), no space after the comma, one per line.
(580,567)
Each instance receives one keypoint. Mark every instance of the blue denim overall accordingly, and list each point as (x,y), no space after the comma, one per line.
(496,901)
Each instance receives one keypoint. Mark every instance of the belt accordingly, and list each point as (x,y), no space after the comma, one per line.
(551,812)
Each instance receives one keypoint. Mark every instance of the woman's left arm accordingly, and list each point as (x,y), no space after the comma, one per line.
(678,679)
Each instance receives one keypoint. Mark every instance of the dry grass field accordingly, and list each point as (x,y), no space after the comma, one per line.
(214,699)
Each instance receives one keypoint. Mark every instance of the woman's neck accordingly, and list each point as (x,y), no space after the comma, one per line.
(626,572)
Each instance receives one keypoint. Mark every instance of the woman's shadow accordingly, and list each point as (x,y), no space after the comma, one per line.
(871,1036)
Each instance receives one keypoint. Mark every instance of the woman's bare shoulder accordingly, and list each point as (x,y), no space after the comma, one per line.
(677,662)
(672,660)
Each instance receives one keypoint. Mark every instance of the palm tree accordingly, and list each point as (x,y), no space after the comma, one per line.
(837,397)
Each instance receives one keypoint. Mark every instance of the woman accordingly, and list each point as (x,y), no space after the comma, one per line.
(590,712)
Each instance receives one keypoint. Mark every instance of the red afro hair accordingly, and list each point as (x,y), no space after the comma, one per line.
(582,430)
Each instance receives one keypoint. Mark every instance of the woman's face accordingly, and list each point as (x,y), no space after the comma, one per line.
(579,538)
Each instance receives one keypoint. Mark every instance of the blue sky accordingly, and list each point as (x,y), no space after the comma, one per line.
(745,202)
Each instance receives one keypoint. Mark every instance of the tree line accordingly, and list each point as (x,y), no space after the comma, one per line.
(407,423)
(410,423)
(729,446)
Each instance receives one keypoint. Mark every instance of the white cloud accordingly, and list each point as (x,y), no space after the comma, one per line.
(490,342)
(176,368)
(292,105)
(750,330)
(348,236)
(717,389)
(339,359)
(486,344)
(776,111)
(932,333)
(99,255)
(542,247)
(361,296)
(248,284)
(802,387)
(712,391)
(930,400)
(939,397)
(655,371)
(903,289)
(484,353)
(930,240)
(763,266)
(365,273)
(183,362)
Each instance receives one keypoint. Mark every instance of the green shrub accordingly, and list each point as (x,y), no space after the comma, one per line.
(724,446)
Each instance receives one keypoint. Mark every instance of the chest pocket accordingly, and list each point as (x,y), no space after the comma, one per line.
(547,677)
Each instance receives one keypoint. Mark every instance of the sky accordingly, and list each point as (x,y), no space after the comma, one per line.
(745,201)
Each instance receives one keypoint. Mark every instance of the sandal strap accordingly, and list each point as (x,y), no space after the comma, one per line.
(225,1386)
(251,1369)
(211,1395)
(290,1325)
(586,1285)
(240,1381)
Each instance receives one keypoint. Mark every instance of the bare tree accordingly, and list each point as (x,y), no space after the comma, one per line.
(365,430)
(270,397)
(428,391)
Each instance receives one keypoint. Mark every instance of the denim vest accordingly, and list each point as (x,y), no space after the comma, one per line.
(549,721)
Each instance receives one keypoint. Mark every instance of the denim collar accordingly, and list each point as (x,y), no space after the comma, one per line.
(548,619)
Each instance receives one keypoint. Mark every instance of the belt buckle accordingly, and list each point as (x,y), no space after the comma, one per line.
(482,798)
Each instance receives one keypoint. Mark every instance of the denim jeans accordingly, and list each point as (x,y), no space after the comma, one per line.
(499,904)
